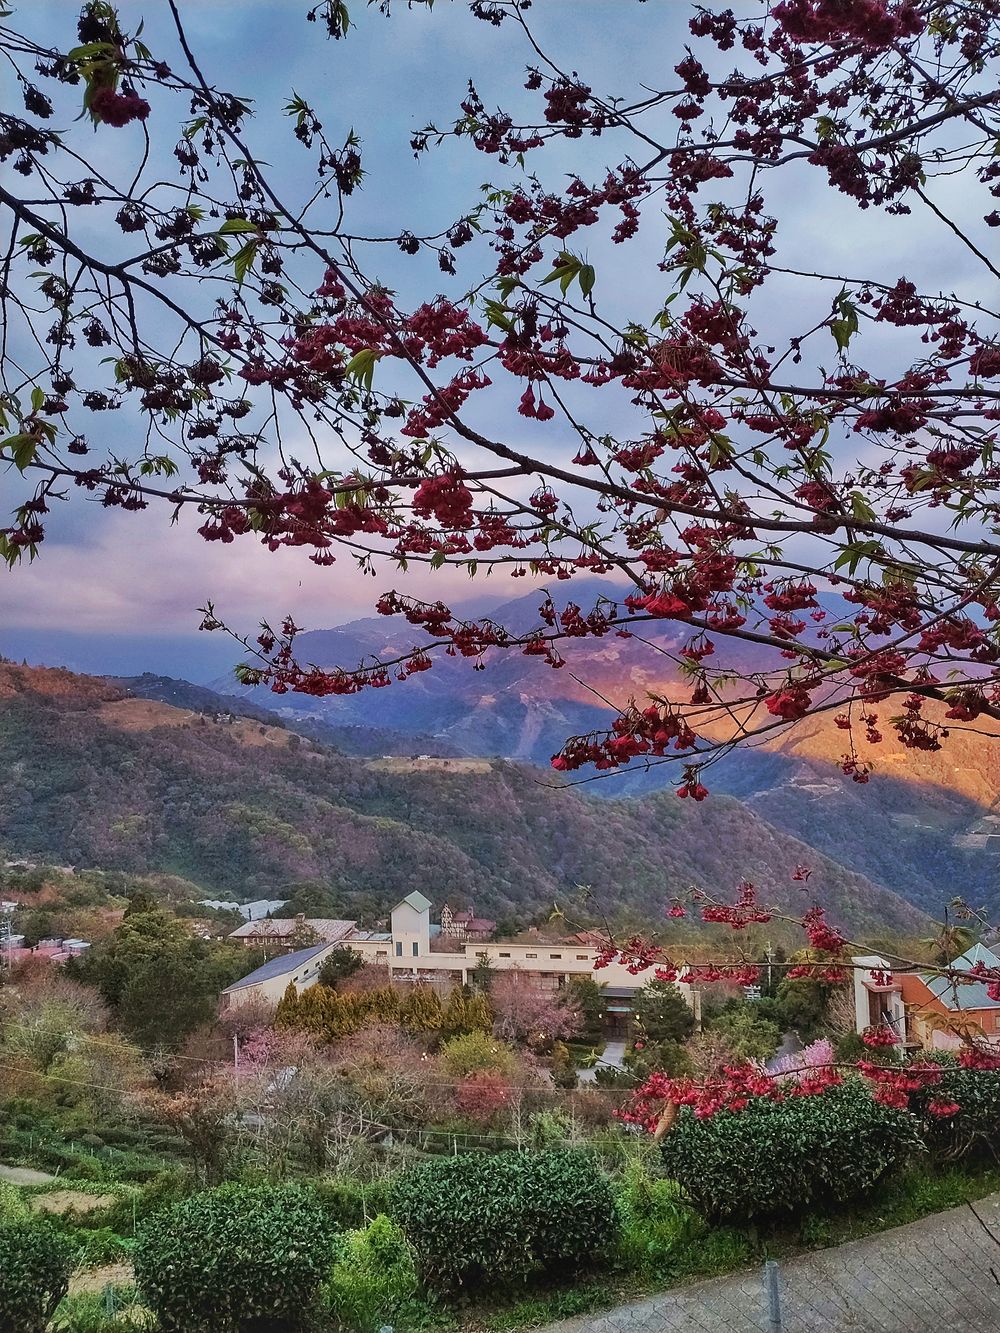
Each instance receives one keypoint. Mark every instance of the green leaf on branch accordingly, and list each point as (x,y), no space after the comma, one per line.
(236,225)
(569,267)
(21,449)
(361,366)
(846,326)
(243,260)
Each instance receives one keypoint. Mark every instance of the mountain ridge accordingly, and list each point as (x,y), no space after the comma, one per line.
(175,793)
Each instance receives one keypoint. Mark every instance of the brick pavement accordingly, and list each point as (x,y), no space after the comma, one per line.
(938,1275)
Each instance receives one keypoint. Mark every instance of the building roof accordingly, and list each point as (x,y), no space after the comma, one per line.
(280,927)
(417,901)
(277,967)
(965,995)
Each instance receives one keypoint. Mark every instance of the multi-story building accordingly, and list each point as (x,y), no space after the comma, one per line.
(927,1011)
(405,950)
(465,925)
(291,932)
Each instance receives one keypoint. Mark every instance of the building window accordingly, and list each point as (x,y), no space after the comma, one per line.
(531,955)
(381,953)
(581,958)
(399,948)
(416,948)
(555,955)
(503,955)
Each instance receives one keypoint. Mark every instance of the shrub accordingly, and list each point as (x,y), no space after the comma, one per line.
(975,1127)
(487,1220)
(35,1263)
(374,1277)
(477,1053)
(237,1259)
(747,1035)
(13,1207)
(788,1156)
(656,1222)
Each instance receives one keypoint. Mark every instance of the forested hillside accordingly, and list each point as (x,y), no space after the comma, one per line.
(95,778)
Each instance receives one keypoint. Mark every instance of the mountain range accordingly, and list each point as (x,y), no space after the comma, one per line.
(927,825)
(243,804)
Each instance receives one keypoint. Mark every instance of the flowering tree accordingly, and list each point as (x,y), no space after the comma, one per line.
(522,1012)
(797,499)
(754,465)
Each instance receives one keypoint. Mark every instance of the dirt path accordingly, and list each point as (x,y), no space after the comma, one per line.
(23,1175)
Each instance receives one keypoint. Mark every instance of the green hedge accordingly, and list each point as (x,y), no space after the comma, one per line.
(975,1128)
(488,1220)
(35,1263)
(788,1157)
(237,1259)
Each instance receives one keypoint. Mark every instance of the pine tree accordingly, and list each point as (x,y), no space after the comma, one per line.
(456,1013)
(479,1013)
(421,1011)
(287,1013)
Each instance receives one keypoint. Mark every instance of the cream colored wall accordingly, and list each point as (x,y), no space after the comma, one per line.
(271,990)
(556,961)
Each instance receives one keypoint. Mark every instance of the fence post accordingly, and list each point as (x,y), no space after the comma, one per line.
(772,1292)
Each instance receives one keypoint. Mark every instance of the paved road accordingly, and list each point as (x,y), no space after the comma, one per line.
(613,1058)
(790,1045)
(938,1275)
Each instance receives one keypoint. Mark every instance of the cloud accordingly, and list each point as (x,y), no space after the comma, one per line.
(136,574)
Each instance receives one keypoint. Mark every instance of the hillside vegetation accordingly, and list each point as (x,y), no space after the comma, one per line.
(245,808)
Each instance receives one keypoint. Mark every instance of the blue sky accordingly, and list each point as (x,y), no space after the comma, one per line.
(120,592)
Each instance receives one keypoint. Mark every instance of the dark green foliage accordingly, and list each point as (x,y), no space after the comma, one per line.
(803,1007)
(643,1058)
(35,1263)
(786,1157)
(341,963)
(588,998)
(160,979)
(746,1033)
(661,1012)
(489,1220)
(975,1128)
(237,1259)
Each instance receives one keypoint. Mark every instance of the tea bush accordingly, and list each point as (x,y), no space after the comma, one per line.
(236,1259)
(35,1263)
(487,1220)
(784,1157)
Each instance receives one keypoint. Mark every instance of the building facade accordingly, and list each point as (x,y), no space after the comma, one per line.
(405,950)
(927,1011)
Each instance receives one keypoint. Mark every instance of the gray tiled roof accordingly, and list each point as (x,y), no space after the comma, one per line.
(970,995)
(277,967)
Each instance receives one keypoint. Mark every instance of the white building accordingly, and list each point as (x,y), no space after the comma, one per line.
(406,952)
(269,983)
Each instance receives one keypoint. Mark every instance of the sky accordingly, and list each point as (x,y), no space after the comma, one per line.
(120,593)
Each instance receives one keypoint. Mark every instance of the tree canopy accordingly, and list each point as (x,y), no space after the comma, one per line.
(606,362)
